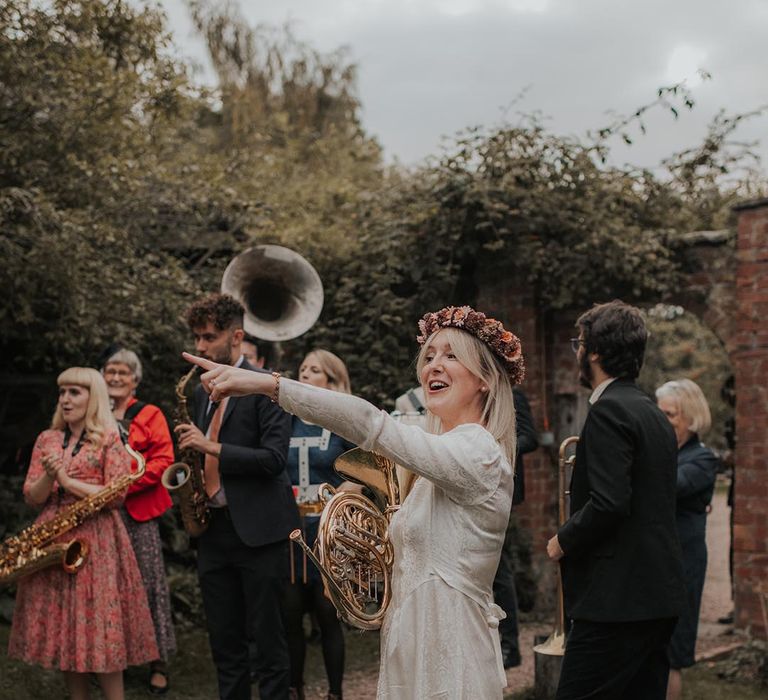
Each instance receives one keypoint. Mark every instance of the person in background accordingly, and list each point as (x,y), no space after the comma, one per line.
(243,556)
(504,591)
(684,404)
(259,353)
(145,429)
(310,463)
(97,620)
(619,552)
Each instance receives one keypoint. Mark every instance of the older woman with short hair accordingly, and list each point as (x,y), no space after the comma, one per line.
(145,428)
(684,404)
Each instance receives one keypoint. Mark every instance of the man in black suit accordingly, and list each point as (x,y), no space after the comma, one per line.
(242,557)
(619,551)
(504,591)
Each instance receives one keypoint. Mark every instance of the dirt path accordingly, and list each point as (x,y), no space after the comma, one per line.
(716,600)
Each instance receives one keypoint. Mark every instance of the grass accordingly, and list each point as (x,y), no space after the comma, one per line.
(193,676)
(192,672)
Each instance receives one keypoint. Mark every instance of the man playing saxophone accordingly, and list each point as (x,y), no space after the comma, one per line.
(96,620)
(243,560)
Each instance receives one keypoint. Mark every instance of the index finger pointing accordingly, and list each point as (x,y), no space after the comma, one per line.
(199,361)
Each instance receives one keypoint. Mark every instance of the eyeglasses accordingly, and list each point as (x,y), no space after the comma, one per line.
(117,373)
(575,343)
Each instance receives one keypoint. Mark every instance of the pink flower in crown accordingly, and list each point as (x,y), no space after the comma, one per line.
(502,342)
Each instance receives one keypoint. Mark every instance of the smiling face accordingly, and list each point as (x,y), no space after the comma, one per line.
(73,402)
(121,382)
(452,392)
(312,372)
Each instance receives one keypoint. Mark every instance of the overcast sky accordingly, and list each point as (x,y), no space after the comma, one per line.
(428,68)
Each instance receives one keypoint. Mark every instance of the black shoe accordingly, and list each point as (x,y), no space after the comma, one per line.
(512,659)
(726,620)
(158,689)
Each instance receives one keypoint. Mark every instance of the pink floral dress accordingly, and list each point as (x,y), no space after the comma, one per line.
(98,619)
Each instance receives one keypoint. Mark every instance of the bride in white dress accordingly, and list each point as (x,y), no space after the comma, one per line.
(440,635)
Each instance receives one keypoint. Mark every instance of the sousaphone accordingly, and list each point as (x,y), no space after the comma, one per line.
(281,291)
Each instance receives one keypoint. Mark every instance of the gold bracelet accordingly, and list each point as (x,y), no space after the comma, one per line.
(276,392)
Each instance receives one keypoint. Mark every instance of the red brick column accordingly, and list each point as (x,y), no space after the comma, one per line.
(502,297)
(750,363)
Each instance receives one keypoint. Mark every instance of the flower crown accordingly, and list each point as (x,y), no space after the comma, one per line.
(503,343)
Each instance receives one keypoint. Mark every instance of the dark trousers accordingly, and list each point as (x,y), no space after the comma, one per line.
(616,660)
(242,588)
(505,595)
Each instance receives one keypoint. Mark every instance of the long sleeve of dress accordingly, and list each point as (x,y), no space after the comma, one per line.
(463,462)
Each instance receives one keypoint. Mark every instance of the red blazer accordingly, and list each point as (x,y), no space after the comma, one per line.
(149,434)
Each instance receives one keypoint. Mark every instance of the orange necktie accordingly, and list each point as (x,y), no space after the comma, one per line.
(212,478)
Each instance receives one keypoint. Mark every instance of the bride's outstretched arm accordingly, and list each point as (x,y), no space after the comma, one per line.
(461,462)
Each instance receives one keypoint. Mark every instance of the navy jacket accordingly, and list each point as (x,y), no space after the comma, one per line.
(696,475)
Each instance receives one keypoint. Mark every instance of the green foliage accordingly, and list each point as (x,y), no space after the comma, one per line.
(680,346)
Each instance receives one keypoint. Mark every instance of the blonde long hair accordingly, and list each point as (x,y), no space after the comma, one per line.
(499,407)
(98,415)
(334,368)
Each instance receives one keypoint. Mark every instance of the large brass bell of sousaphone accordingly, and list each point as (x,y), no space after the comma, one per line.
(281,292)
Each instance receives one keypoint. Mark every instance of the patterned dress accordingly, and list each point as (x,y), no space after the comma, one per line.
(96,620)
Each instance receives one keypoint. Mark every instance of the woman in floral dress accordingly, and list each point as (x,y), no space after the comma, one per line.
(97,620)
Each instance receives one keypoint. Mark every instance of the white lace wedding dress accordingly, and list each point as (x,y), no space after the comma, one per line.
(440,636)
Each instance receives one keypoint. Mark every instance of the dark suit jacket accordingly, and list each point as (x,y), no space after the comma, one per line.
(254,438)
(622,556)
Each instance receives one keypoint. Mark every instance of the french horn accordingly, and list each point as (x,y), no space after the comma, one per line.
(353,551)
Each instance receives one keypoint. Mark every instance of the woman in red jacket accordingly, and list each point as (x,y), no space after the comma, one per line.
(146,430)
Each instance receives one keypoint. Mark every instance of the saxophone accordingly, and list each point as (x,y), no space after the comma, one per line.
(34,547)
(186,475)
(353,551)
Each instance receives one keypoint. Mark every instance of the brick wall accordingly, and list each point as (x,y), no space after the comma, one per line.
(749,356)
(735,307)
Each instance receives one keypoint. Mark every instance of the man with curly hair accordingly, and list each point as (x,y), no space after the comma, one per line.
(619,551)
(242,557)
